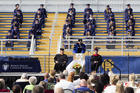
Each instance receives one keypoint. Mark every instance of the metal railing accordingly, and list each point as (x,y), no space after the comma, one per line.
(16,44)
(53,5)
(108,43)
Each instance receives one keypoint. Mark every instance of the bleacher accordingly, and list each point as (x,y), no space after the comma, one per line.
(78,30)
(5,24)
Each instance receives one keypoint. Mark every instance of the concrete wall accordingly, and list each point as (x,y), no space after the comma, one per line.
(63,5)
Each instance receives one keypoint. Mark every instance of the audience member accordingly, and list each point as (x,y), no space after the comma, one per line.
(38,89)
(82,87)
(71,77)
(46,76)
(64,84)
(16,89)
(29,88)
(129,90)
(23,81)
(119,87)
(3,86)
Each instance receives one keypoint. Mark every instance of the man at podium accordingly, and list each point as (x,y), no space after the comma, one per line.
(79,47)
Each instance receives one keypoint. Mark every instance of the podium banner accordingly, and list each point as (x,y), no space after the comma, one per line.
(122,62)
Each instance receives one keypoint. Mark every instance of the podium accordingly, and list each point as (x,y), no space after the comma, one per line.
(77,58)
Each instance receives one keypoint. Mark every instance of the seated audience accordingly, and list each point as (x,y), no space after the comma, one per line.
(83,87)
(38,89)
(131,82)
(46,76)
(119,87)
(52,76)
(71,77)
(59,90)
(23,81)
(64,84)
(129,90)
(82,75)
(16,89)
(3,86)
(112,87)
(29,88)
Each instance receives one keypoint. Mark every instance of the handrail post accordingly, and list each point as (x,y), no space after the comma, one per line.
(59,44)
(92,45)
(32,45)
(44,64)
(68,43)
(1,47)
(49,55)
(122,40)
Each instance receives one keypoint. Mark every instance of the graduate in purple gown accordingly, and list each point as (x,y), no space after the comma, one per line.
(130,23)
(112,30)
(37,27)
(71,15)
(17,9)
(88,9)
(67,32)
(106,12)
(109,14)
(90,29)
(131,30)
(86,17)
(41,17)
(72,9)
(128,12)
(43,10)
(111,23)
(15,33)
(9,43)
(92,21)
(19,17)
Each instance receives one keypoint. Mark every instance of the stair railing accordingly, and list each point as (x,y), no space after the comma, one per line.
(115,67)
(32,46)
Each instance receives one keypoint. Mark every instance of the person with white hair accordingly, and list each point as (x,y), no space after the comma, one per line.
(64,84)
(29,88)
(23,81)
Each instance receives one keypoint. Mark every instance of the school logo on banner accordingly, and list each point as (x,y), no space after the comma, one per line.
(5,66)
(108,66)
